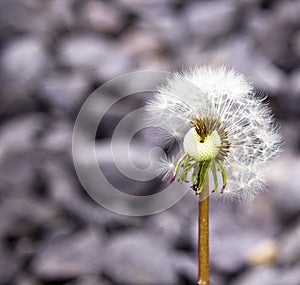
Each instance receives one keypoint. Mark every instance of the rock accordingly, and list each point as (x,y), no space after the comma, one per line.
(295,82)
(158,27)
(8,268)
(18,153)
(284,20)
(249,4)
(289,249)
(269,275)
(296,44)
(36,17)
(229,254)
(58,140)
(15,102)
(259,275)
(290,276)
(139,258)
(74,256)
(23,181)
(265,252)
(21,12)
(285,194)
(267,76)
(261,27)
(239,52)
(287,13)
(186,266)
(56,16)
(290,131)
(209,20)
(102,17)
(150,49)
(121,176)
(186,210)
(115,63)
(93,55)
(144,2)
(62,187)
(229,52)
(216,279)
(142,5)
(21,216)
(82,51)
(24,61)
(25,129)
(138,43)
(64,91)
(90,280)
(25,247)
(165,226)
(26,279)
(65,193)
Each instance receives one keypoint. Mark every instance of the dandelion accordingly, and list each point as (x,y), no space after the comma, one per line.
(227,133)
(227,137)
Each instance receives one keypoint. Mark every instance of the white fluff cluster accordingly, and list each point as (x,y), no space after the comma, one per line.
(223,94)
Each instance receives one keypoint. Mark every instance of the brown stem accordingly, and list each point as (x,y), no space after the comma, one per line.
(203,236)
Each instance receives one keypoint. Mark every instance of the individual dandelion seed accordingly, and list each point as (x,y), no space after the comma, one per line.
(227,133)
(165,166)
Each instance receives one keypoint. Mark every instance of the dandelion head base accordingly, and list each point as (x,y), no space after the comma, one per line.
(208,138)
(199,149)
(206,147)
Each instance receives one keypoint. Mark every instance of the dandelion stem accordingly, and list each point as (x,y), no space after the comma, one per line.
(203,235)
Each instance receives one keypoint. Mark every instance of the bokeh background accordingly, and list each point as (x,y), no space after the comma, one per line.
(53,54)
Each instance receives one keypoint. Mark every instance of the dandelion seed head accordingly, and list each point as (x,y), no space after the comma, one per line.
(219,120)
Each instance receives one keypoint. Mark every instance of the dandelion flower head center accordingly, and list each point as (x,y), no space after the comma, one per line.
(206,146)
(207,139)
(201,149)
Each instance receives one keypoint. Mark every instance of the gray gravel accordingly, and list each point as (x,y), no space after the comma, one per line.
(136,258)
(53,54)
(71,257)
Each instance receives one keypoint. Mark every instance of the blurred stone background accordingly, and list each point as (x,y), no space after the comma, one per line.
(53,54)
